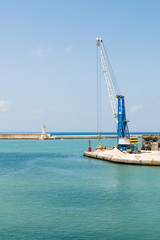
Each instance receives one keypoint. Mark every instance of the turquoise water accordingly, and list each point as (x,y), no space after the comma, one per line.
(48,190)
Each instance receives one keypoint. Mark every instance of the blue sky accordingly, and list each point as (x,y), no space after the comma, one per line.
(48,63)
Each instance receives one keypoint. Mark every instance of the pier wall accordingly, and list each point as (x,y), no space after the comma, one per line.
(82,136)
(49,137)
(20,135)
(148,159)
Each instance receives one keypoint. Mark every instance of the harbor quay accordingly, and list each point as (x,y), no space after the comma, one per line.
(148,154)
(150,158)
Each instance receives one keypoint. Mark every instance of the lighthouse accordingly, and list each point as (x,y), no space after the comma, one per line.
(44,134)
(44,130)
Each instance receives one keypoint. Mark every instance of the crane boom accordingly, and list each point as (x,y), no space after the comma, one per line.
(108,78)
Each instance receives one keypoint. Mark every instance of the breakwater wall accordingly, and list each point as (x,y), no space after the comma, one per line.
(40,136)
(82,136)
(20,136)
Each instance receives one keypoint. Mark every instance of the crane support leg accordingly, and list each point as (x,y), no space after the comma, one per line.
(122,130)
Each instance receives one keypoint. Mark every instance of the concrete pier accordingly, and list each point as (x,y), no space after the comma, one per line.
(151,158)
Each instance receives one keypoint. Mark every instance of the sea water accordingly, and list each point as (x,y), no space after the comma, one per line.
(48,190)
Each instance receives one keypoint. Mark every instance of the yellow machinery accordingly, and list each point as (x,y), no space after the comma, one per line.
(134,140)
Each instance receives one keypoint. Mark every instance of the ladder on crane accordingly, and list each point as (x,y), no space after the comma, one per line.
(117,101)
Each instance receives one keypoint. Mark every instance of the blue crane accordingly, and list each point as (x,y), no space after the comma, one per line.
(117,102)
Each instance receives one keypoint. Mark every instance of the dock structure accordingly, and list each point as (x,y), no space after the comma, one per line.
(150,158)
(83,136)
(47,136)
(149,154)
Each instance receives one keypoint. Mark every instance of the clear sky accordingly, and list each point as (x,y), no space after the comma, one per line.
(48,63)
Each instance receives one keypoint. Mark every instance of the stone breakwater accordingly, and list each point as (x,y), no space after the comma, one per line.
(20,136)
(47,136)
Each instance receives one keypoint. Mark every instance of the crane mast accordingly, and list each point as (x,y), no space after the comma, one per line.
(117,102)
